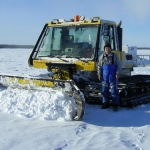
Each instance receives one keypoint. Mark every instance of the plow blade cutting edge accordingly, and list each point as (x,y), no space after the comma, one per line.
(32,83)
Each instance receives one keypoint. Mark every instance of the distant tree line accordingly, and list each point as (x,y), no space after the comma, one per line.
(15,46)
(143,48)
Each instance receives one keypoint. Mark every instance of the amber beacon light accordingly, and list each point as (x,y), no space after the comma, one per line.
(76,18)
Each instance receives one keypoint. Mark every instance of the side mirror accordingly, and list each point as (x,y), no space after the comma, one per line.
(106,30)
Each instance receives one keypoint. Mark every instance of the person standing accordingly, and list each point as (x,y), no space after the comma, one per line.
(109,69)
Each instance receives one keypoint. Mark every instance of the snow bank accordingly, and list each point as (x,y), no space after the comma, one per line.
(47,104)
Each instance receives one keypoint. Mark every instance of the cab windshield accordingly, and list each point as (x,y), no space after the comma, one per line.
(72,41)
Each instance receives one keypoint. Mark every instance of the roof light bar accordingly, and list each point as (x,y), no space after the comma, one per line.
(82,18)
(55,21)
(61,20)
(96,18)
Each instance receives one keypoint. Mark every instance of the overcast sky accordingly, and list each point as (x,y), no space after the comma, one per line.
(21,21)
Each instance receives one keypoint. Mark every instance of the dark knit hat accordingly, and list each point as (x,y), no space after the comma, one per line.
(107,45)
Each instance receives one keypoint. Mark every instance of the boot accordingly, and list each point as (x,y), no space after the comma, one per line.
(115,108)
(105,106)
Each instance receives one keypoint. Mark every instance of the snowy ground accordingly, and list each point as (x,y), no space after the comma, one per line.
(39,120)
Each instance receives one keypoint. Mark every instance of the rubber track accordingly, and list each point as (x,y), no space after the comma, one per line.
(133,90)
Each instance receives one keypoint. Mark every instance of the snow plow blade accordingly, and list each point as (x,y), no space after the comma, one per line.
(33,83)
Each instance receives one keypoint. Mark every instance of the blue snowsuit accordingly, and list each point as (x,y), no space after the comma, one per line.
(108,67)
(109,82)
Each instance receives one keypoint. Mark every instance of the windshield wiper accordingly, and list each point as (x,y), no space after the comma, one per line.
(78,57)
(65,56)
(60,57)
(45,55)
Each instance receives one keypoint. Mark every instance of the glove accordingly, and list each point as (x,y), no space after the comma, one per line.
(99,77)
(117,76)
